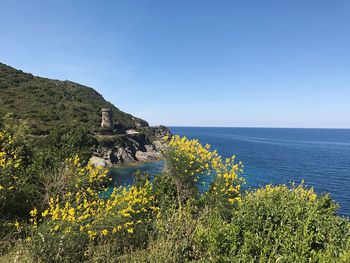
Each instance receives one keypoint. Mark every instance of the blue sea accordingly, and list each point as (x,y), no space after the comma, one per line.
(320,157)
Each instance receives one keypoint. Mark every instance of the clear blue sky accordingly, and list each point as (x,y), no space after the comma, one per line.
(193,63)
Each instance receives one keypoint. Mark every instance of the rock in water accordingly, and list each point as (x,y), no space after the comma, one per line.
(97,161)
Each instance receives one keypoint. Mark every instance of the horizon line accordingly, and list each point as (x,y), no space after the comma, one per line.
(256,127)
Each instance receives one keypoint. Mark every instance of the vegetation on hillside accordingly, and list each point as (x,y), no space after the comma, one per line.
(47,103)
(55,207)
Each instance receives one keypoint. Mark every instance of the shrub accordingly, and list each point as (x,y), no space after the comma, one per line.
(30,171)
(9,162)
(172,240)
(277,224)
(81,217)
(16,189)
(12,190)
(186,160)
(63,143)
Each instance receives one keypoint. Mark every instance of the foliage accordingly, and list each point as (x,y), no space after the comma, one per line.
(81,216)
(14,184)
(46,103)
(173,238)
(186,160)
(18,253)
(32,170)
(165,218)
(277,224)
(61,144)
(9,163)
(41,159)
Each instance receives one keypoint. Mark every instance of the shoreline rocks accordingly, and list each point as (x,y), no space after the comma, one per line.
(130,148)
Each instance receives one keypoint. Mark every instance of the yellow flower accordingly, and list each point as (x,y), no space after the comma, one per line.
(92,234)
(71,213)
(130,230)
(33,212)
(17,225)
(104,232)
(45,213)
(231,200)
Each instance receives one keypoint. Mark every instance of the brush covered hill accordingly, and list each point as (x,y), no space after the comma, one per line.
(45,103)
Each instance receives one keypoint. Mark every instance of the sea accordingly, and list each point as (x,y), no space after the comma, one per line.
(319,157)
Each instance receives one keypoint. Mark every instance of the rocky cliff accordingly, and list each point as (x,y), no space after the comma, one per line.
(131,147)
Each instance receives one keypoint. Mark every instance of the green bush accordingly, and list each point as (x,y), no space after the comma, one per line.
(46,246)
(277,224)
(36,171)
(172,239)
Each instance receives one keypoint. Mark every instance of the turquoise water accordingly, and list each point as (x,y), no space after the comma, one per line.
(124,175)
(319,156)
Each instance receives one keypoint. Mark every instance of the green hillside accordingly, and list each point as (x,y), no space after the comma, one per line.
(46,103)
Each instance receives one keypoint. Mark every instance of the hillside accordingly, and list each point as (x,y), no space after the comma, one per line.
(45,103)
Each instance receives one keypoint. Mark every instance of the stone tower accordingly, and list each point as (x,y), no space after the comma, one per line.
(107,118)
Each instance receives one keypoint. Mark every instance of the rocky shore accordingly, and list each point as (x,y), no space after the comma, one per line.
(130,148)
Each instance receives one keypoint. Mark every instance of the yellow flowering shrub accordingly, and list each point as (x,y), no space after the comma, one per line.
(224,191)
(88,211)
(276,224)
(269,191)
(185,156)
(186,160)
(9,162)
(7,152)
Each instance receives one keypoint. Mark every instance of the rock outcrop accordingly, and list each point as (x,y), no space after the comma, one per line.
(132,147)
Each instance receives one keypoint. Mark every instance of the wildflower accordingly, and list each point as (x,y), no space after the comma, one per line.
(71,213)
(312,197)
(45,213)
(33,212)
(92,234)
(17,225)
(104,232)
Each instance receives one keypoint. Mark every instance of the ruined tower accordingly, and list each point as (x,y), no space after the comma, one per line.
(107,118)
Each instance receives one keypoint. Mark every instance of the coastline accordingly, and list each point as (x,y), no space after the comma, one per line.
(133,164)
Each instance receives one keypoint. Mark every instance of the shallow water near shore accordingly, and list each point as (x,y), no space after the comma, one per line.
(319,156)
(124,175)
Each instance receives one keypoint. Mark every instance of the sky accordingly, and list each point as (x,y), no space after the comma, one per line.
(193,62)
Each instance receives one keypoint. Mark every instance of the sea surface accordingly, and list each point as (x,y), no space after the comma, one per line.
(320,157)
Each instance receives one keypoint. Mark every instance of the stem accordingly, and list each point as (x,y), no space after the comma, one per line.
(179,199)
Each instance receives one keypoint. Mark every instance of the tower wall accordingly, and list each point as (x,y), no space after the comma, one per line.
(107,119)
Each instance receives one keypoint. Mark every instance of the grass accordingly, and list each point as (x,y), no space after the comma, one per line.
(19,254)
